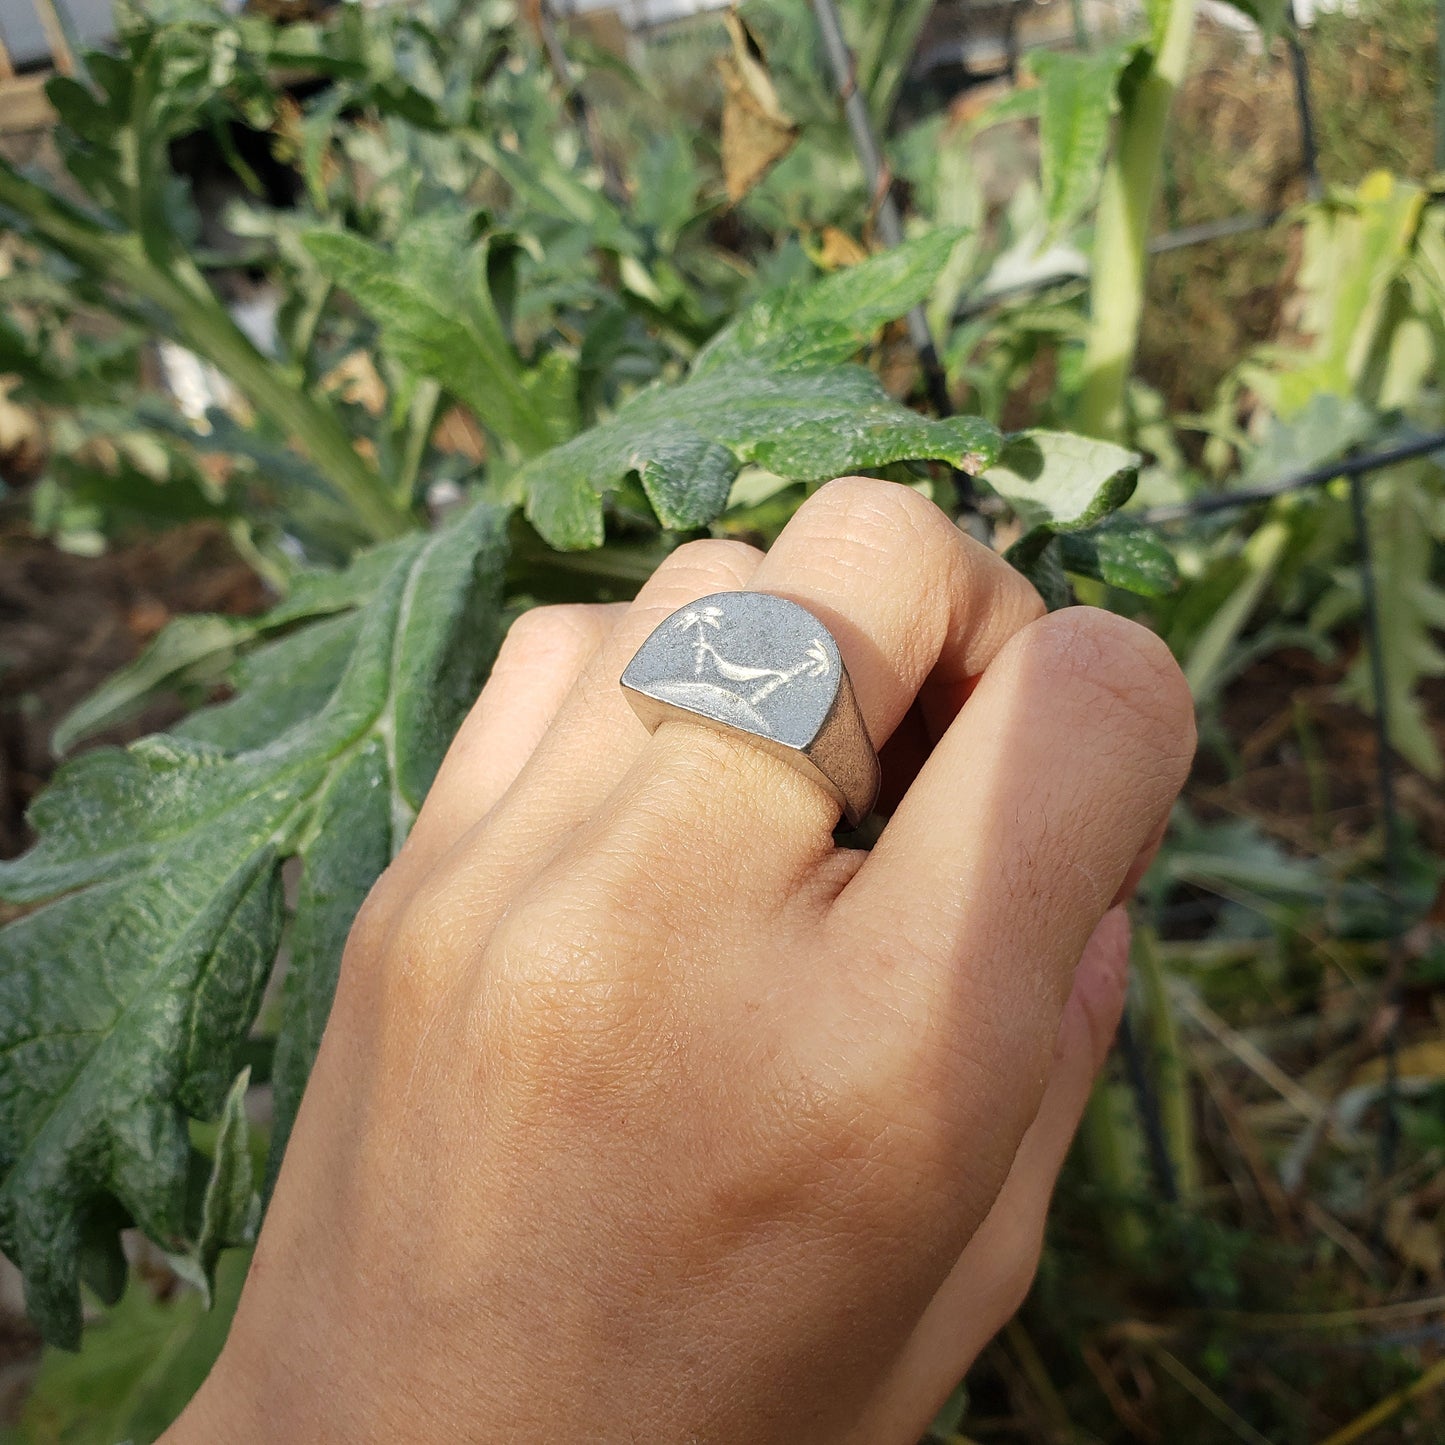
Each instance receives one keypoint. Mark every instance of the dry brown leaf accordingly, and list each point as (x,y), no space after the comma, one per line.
(1416,1240)
(457,432)
(22,441)
(355,379)
(1423,1060)
(756,131)
(839,249)
(977,98)
(146,618)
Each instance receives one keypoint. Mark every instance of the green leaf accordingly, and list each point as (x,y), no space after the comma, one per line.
(201,650)
(284,482)
(1024,103)
(1124,553)
(230,1206)
(1238,594)
(770,390)
(1157,13)
(1356,246)
(1062,482)
(687,442)
(189,650)
(124,1003)
(143,1360)
(1079,96)
(105,1043)
(1039,557)
(1326,427)
(336,880)
(1407,522)
(668,179)
(831,319)
(431,298)
(91,118)
(884,49)
(276,686)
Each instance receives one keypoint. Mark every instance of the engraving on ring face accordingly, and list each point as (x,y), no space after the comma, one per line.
(748,660)
(761,664)
(698,620)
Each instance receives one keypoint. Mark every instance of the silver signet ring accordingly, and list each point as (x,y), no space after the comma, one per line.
(749,662)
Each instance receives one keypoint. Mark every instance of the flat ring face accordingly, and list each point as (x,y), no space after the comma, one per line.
(761,665)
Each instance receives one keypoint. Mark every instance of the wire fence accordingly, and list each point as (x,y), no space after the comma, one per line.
(1357,469)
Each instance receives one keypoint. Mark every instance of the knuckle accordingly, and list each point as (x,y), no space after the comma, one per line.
(372,924)
(865,520)
(708,562)
(856,531)
(580,1029)
(393,957)
(869,502)
(372,942)
(557,628)
(431,937)
(949,590)
(690,571)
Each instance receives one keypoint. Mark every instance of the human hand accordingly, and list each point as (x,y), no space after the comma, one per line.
(645,1112)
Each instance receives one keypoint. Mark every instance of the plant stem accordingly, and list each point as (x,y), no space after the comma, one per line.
(1389,1407)
(420,423)
(204,325)
(1204,666)
(1116,1169)
(1126,198)
(1440,85)
(198,320)
(1171,1073)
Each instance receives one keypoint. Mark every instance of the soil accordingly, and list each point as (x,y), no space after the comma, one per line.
(68,622)
(1308,761)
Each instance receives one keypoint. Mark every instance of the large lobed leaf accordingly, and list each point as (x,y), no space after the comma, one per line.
(770,389)
(124,1002)
(143,1360)
(431,295)
(829,320)
(687,444)
(1407,520)
(1061,482)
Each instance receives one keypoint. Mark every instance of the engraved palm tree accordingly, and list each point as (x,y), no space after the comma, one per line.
(701,620)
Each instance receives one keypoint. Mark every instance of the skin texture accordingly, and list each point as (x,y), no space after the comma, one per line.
(646,1113)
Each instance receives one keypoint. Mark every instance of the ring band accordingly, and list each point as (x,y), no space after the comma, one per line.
(752,663)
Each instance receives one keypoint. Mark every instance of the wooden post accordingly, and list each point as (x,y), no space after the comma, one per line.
(54,26)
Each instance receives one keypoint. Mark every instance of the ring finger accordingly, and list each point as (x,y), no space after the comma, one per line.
(917,609)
